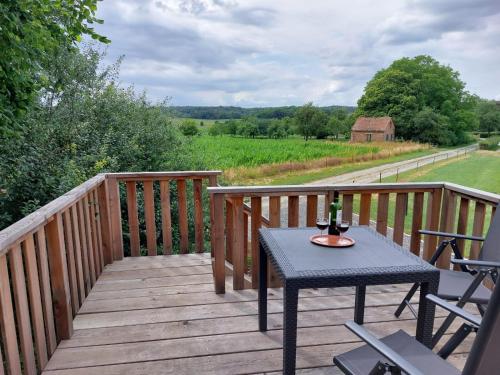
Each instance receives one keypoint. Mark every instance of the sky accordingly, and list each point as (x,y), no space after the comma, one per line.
(259,53)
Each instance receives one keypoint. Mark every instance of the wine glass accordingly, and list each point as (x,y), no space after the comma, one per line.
(322,223)
(342,227)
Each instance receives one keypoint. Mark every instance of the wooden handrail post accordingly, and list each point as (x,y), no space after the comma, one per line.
(218,259)
(115,219)
(447,224)
(103,196)
(59,278)
(432,221)
(238,244)
(212,182)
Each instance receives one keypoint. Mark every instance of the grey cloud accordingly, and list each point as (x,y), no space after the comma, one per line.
(254,16)
(434,18)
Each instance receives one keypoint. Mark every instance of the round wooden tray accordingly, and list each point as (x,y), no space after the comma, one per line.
(332,241)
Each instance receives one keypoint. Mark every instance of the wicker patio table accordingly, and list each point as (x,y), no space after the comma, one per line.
(373,260)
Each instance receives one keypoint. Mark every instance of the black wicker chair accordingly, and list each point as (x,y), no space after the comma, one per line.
(465,285)
(400,353)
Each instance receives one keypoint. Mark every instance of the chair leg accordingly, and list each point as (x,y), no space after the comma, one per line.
(455,340)
(461,303)
(406,300)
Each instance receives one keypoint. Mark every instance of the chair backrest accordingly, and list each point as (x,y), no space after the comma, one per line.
(491,244)
(484,355)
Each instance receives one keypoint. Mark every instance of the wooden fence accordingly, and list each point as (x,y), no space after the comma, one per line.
(414,206)
(51,259)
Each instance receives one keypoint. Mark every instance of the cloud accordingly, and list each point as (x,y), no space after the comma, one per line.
(257,52)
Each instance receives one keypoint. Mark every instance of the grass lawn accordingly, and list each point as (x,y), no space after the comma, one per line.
(478,170)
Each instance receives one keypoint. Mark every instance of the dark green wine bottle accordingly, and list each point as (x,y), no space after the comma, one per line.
(335,215)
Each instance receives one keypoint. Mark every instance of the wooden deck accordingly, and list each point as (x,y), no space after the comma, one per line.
(160,315)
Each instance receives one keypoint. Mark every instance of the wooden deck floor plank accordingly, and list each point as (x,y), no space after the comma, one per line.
(154,273)
(212,345)
(154,282)
(204,327)
(124,303)
(165,314)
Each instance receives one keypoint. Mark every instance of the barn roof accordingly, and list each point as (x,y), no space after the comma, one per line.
(372,124)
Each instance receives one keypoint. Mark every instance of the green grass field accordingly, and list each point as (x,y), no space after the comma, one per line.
(478,170)
(231,152)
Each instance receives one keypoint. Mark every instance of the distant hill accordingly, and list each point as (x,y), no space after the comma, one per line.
(229,112)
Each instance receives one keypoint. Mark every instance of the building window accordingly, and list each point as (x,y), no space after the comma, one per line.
(387,137)
(368,137)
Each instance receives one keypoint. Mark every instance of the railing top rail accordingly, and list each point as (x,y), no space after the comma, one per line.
(20,229)
(473,193)
(161,175)
(321,189)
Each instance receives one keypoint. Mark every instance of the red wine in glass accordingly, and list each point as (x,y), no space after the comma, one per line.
(342,227)
(322,224)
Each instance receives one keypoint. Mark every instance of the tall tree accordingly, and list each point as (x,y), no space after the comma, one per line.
(410,85)
(30,32)
(489,116)
(304,120)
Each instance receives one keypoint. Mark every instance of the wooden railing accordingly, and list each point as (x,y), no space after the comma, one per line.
(49,262)
(155,189)
(51,259)
(239,213)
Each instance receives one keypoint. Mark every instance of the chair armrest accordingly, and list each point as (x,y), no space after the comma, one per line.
(473,319)
(451,235)
(476,263)
(382,348)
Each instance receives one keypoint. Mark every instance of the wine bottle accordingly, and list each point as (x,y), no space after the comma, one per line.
(335,215)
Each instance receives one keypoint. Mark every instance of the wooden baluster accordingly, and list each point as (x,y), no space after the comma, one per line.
(238,245)
(22,309)
(149,215)
(274,222)
(312,210)
(399,217)
(293,211)
(7,319)
(477,228)
(382,213)
(59,279)
(328,200)
(133,219)
(90,245)
(98,229)
(347,204)
(166,219)
(246,218)
(104,213)
(416,223)
(198,215)
(256,223)
(432,221)
(447,224)
(70,256)
(95,240)
(218,261)
(78,253)
(183,216)
(463,218)
(212,182)
(35,299)
(229,230)
(115,218)
(85,250)
(364,210)
(48,313)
